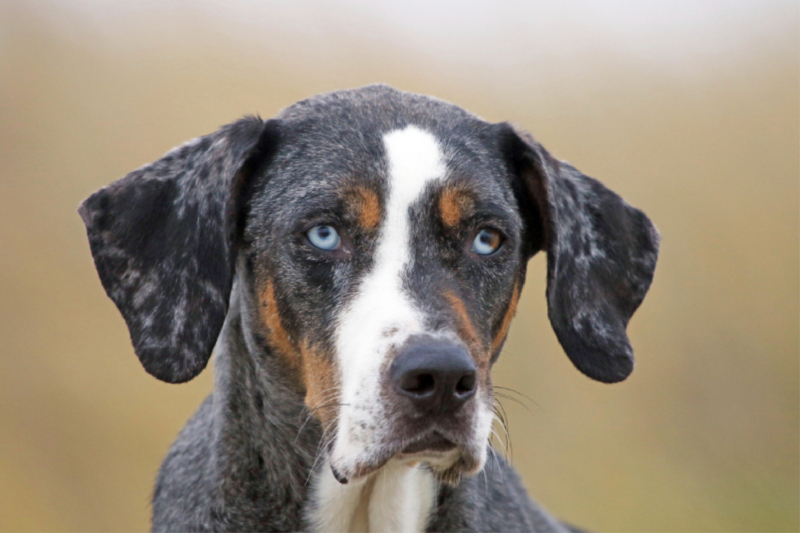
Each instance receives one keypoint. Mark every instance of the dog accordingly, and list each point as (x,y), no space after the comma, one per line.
(354,264)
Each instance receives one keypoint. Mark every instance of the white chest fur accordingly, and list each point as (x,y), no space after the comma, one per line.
(396,498)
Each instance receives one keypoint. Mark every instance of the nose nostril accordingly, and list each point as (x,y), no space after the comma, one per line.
(466,384)
(419,384)
(435,376)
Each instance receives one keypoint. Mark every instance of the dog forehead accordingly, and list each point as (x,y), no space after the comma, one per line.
(350,139)
(347,126)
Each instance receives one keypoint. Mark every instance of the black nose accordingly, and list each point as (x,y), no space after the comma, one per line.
(438,376)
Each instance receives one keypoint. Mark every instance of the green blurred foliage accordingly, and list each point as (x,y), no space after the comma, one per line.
(702,437)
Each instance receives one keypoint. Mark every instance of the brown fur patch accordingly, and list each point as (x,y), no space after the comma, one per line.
(277,336)
(322,387)
(497,341)
(314,370)
(366,206)
(454,203)
(465,328)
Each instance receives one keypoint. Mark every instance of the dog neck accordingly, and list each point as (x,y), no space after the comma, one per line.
(398,497)
(262,452)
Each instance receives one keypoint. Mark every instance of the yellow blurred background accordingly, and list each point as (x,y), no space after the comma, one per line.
(688,109)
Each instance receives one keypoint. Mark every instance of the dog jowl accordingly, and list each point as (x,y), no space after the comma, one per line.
(365,251)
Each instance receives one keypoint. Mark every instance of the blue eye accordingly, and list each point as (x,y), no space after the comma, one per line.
(324,237)
(486,242)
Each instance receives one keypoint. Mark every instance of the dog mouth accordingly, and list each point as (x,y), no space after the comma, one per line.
(432,442)
(449,445)
(439,452)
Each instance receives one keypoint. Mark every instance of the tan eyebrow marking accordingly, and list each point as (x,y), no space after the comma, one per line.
(366,205)
(454,202)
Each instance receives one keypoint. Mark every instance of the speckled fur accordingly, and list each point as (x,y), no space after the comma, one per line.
(185,247)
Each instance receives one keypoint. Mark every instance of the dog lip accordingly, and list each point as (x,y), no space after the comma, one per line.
(431,445)
(432,442)
(339,477)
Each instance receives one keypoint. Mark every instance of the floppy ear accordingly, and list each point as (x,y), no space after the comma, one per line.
(162,239)
(601,255)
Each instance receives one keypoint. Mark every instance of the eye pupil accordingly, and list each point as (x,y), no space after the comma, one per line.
(486,242)
(324,237)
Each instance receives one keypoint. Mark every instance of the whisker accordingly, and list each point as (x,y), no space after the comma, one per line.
(324,442)
(500,442)
(502,417)
(515,400)
(514,391)
(311,413)
(485,481)
(499,466)
(328,395)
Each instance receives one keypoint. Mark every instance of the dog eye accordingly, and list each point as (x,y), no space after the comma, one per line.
(487,241)
(324,237)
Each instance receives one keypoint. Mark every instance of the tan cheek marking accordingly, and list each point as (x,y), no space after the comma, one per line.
(453,203)
(322,385)
(512,309)
(367,207)
(465,328)
(276,334)
(316,372)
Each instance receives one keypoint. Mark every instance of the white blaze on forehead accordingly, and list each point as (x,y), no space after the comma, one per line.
(380,305)
(414,160)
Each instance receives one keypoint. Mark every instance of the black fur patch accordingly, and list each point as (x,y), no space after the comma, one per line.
(161,240)
(601,257)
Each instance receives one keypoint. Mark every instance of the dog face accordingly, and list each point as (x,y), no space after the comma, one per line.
(383,239)
(419,270)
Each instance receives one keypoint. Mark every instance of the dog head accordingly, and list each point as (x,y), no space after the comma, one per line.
(381,240)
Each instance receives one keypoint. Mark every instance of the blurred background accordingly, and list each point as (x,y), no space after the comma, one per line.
(689,109)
